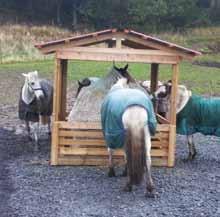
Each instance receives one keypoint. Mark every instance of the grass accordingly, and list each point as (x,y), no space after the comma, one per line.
(16,44)
(202,80)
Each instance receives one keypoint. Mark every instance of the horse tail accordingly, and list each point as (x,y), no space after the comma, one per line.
(136,154)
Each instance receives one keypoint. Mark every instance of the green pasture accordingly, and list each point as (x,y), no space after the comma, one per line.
(202,80)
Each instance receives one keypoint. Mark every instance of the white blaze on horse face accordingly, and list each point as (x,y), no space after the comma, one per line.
(34,84)
(121,83)
(31,88)
(161,89)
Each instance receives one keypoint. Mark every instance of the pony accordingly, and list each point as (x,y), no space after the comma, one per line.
(194,113)
(35,104)
(128,121)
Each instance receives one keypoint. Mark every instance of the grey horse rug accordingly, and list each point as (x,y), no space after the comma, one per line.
(113,107)
(200,115)
(31,112)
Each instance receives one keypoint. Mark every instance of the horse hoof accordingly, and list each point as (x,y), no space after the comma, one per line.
(111,173)
(152,194)
(190,157)
(30,139)
(127,188)
(124,173)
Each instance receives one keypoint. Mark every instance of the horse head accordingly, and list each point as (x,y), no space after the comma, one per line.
(32,87)
(124,72)
(84,83)
(163,96)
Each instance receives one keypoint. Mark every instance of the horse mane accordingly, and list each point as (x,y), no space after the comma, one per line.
(136,154)
(183,97)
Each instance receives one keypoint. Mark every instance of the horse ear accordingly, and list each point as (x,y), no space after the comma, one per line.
(115,67)
(169,82)
(24,74)
(126,67)
(113,63)
(79,83)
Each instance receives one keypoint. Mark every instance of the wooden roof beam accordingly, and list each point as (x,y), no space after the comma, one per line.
(120,55)
(149,43)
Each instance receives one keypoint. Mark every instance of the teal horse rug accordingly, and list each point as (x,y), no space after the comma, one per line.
(112,109)
(200,115)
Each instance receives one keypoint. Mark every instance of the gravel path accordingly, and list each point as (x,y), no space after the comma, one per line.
(29,190)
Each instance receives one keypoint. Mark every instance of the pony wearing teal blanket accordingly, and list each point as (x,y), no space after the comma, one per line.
(128,121)
(194,114)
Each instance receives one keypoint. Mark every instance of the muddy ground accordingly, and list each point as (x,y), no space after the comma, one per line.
(29,190)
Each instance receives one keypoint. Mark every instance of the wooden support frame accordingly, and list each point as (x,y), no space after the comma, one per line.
(117,54)
(71,143)
(172,136)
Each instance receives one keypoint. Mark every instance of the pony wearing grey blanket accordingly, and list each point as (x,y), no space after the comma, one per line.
(35,104)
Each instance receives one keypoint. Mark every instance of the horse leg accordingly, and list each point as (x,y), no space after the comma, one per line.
(49,126)
(191,147)
(125,171)
(36,136)
(149,181)
(28,130)
(111,172)
(128,186)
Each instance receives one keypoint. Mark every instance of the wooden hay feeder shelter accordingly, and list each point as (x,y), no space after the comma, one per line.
(82,143)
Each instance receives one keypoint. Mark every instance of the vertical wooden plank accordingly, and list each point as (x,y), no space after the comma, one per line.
(56,90)
(154,77)
(172,146)
(172,134)
(63,89)
(118,42)
(154,81)
(55,144)
(175,76)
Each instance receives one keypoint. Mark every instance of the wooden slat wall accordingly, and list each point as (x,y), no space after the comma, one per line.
(83,144)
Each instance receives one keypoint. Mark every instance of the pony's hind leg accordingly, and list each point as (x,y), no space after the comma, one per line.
(191,147)
(111,172)
(149,182)
(125,171)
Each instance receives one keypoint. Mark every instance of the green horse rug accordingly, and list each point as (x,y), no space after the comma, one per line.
(112,109)
(199,115)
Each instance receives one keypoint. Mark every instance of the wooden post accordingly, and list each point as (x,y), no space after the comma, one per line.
(56,91)
(174,90)
(60,85)
(154,81)
(59,105)
(63,89)
(154,77)
(56,111)
(172,135)
(55,144)
(118,42)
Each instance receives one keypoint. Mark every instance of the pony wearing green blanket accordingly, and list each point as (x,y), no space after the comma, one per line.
(194,113)
(128,121)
